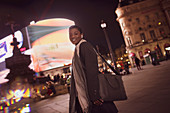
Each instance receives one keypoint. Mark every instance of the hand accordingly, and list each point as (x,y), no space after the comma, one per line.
(98,102)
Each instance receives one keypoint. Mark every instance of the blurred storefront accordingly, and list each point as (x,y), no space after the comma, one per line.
(122,57)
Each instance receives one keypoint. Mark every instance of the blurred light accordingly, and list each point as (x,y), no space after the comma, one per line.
(27,105)
(23,49)
(18,94)
(168,48)
(143,40)
(12,101)
(70,68)
(27,93)
(118,65)
(131,54)
(8,103)
(146,55)
(17,100)
(121,58)
(159,23)
(126,51)
(128,62)
(109,61)
(32,22)
(164,53)
(6,110)
(26,109)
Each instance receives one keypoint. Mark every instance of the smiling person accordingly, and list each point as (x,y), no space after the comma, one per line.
(84,94)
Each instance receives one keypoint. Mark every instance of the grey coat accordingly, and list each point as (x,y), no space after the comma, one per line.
(88,60)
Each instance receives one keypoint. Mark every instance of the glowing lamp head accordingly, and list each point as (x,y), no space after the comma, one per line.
(103,24)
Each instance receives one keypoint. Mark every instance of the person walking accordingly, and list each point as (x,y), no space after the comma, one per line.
(68,82)
(84,94)
(137,62)
(126,68)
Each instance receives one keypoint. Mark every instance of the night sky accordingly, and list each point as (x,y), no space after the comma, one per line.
(86,13)
(91,25)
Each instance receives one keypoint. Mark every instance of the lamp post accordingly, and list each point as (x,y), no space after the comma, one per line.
(103,26)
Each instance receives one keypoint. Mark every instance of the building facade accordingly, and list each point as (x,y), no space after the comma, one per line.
(145,26)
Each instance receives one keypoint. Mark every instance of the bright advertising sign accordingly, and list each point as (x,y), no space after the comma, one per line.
(50,43)
(5,45)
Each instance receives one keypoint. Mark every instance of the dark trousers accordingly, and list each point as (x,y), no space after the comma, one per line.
(106,107)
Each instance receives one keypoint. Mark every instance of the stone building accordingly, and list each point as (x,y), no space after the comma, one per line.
(145,26)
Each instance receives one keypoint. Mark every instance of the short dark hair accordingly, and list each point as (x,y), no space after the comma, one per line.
(77,27)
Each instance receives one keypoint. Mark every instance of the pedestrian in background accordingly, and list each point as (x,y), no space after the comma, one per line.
(137,62)
(84,94)
(55,79)
(58,78)
(68,82)
(62,81)
(126,68)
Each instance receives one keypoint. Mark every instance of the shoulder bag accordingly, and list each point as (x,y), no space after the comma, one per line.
(111,86)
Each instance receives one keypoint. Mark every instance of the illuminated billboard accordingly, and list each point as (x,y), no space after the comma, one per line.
(50,43)
(5,45)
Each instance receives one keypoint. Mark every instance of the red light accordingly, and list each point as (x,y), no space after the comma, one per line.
(22,49)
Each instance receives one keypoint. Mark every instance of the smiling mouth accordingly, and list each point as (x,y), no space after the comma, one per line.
(73,40)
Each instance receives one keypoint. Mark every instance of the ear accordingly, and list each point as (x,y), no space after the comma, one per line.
(82,36)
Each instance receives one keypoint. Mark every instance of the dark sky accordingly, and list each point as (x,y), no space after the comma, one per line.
(91,24)
(86,13)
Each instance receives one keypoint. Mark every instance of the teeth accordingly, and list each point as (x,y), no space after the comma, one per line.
(73,40)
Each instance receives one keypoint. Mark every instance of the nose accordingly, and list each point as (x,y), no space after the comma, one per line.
(73,36)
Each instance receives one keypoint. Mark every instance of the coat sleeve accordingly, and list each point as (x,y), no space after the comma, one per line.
(89,59)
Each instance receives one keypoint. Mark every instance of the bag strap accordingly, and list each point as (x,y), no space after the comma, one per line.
(111,67)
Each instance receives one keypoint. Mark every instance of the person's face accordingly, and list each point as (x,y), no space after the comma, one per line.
(75,35)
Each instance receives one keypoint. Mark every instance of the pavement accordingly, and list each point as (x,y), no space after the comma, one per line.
(148,91)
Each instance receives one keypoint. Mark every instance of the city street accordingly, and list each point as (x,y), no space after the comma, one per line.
(148,91)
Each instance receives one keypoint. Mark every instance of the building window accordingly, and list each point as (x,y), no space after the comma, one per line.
(152,34)
(129,41)
(126,32)
(157,15)
(140,28)
(129,19)
(162,32)
(142,36)
(137,20)
(147,17)
(149,26)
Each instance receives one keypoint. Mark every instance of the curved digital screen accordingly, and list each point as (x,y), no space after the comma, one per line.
(50,43)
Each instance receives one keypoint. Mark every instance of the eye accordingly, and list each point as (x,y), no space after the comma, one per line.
(75,33)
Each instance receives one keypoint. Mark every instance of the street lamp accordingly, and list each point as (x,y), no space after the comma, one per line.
(103,26)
